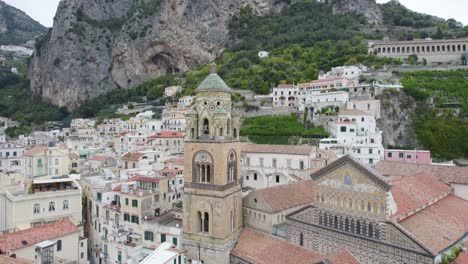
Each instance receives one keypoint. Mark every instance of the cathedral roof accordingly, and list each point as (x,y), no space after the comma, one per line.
(440,225)
(416,191)
(213,83)
(286,196)
(256,247)
(448,174)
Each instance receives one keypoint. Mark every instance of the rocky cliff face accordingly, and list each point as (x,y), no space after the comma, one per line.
(395,121)
(16,27)
(99,45)
(367,8)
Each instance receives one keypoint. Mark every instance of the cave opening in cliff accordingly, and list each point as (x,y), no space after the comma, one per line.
(165,61)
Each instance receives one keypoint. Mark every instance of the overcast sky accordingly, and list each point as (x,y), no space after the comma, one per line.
(44,10)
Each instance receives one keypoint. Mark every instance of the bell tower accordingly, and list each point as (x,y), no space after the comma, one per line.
(212,217)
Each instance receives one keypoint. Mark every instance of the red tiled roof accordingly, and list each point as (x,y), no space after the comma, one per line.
(137,177)
(258,248)
(440,225)
(35,151)
(463,256)
(288,196)
(168,134)
(282,149)
(100,157)
(448,174)
(416,191)
(133,155)
(73,156)
(31,236)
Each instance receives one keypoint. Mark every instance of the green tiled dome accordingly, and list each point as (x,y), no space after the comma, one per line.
(213,83)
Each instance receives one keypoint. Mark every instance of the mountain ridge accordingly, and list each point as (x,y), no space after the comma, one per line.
(95,47)
(16,27)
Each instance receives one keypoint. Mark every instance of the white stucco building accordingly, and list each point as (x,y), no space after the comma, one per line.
(265,166)
(45,200)
(355,133)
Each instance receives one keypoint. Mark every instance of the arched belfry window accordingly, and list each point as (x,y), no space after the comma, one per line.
(206,127)
(202,167)
(203,222)
(232,168)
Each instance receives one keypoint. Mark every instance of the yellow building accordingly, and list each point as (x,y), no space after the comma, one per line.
(212,217)
(42,161)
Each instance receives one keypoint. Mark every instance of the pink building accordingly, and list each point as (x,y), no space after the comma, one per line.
(409,156)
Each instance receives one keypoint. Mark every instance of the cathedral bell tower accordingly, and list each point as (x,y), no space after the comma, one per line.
(212,216)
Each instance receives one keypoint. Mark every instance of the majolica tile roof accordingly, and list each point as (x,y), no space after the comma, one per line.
(32,236)
(213,83)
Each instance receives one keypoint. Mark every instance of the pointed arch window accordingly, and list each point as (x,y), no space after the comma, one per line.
(301,239)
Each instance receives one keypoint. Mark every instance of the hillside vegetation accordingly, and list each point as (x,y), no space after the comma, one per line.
(302,39)
(442,130)
(279,129)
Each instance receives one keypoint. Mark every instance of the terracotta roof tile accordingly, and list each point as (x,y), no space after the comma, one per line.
(288,196)
(167,134)
(100,157)
(448,174)
(440,225)
(31,236)
(463,256)
(258,248)
(133,156)
(35,151)
(416,191)
(281,149)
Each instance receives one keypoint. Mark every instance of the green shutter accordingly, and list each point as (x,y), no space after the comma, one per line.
(174,241)
(163,238)
(126,201)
